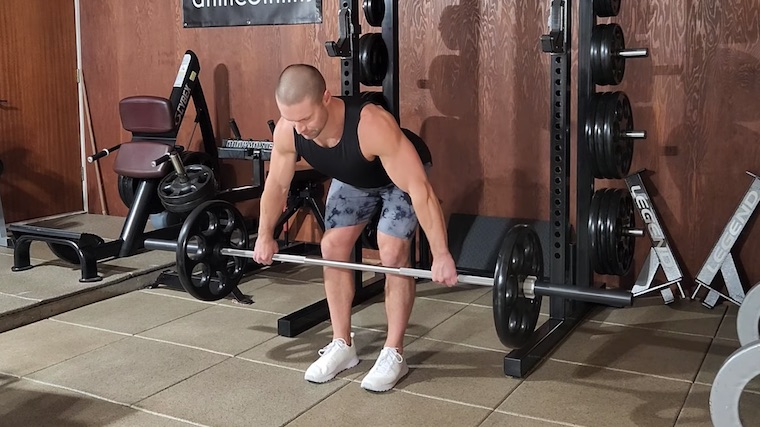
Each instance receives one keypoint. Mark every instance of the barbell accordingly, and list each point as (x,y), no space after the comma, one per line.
(214,238)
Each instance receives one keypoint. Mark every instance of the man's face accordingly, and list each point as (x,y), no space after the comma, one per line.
(308,116)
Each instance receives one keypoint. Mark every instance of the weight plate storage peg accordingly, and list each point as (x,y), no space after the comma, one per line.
(608,54)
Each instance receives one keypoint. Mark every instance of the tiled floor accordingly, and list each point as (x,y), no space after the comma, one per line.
(157,357)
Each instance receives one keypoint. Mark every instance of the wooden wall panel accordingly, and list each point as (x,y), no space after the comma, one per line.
(474,84)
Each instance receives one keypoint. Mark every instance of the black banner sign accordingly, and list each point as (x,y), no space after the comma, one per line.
(230,13)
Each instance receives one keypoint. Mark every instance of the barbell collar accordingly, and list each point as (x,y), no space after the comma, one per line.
(529,287)
(634,53)
(610,297)
(634,134)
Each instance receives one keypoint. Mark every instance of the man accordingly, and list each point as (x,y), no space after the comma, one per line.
(371,161)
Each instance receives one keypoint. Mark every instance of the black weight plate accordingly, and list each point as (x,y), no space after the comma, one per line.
(613,232)
(127,187)
(624,243)
(609,139)
(595,55)
(598,224)
(617,44)
(601,114)
(626,144)
(604,229)
(593,227)
(515,317)
(604,52)
(622,147)
(606,8)
(373,59)
(182,197)
(212,226)
(374,12)
(590,129)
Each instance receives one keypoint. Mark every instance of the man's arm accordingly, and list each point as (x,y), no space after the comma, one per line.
(282,166)
(380,136)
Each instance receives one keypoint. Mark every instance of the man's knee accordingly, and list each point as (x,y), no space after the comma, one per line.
(337,243)
(394,252)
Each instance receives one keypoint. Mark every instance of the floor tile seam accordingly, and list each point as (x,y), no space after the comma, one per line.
(683,405)
(20,297)
(195,374)
(438,398)
(626,371)
(530,417)
(622,325)
(299,281)
(444,300)
(104,399)
(746,390)
(310,407)
(235,355)
(137,335)
(358,381)
(476,347)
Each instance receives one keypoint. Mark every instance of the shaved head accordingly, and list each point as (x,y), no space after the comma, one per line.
(299,82)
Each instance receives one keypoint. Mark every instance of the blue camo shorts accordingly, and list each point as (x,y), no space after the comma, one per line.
(348,205)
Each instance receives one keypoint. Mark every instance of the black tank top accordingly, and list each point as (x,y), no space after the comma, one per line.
(345,161)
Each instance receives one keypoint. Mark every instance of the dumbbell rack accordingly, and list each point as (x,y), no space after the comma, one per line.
(347,48)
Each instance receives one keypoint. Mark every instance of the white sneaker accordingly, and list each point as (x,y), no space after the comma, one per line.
(334,358)
(389,368)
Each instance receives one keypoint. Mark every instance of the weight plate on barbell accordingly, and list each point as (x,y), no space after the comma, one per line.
(203,271)
(514,315)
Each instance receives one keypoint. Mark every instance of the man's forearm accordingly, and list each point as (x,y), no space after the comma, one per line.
(271,206)
(431,218)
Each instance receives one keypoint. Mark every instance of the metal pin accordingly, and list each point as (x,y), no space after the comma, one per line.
(634,53)
(634,134)
(635,232)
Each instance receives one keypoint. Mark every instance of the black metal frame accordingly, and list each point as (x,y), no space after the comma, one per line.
(569,263)
(187,86)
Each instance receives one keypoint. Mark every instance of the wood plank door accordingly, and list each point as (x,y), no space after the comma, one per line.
(39,112)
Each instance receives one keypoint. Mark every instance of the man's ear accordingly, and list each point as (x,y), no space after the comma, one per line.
(326,97)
